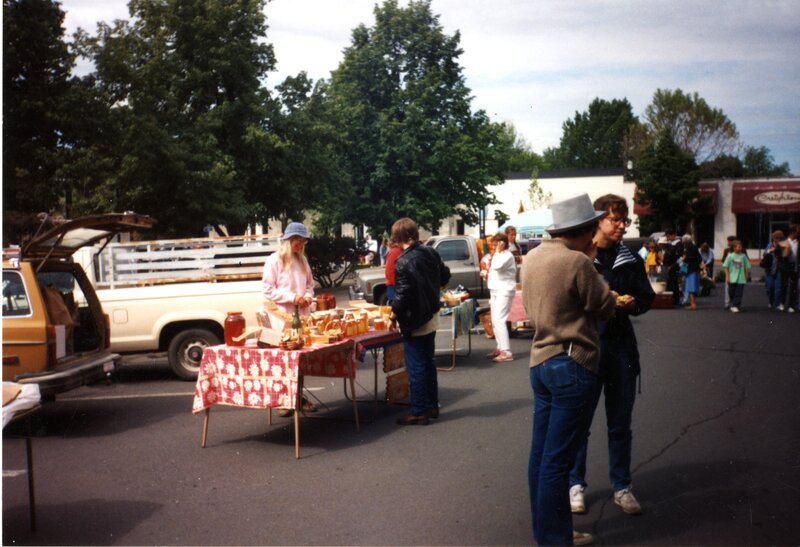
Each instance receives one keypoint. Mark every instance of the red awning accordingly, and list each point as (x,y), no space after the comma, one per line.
(766,197)
(710,191)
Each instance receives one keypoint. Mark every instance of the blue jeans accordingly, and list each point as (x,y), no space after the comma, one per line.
(562,399)
(772,282)
(736,291)
(421,367)
(389,294)
(619,367)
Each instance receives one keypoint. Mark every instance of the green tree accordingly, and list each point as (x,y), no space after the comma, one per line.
(522,157)
(412,145)
(539,199)
(594,138)
(668,183)
(758,162)
(305,169)
(36,67)
(723,166)
(697,128)
(185,83)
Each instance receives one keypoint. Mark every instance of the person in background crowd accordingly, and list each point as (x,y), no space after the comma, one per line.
(502,279)
(691,281)
(791,270)
(777,253)
(643,250)
(652,260)
(736,267)
(513,247)
(419,276)
(707,255)
(619,356)
(287,282)
(391,256)
(725,253)
(383,250)
(672,253)
(564,298)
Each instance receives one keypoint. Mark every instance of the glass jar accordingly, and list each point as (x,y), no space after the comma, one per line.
(234,327)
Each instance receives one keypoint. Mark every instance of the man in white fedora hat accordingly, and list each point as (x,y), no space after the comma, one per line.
(564,297)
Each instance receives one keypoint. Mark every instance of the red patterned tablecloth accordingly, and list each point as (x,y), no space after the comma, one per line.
(517,314)
(253,377)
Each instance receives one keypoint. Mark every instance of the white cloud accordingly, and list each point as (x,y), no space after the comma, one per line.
(536,63)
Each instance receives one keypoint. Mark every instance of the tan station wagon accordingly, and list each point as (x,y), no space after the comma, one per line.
(55,333)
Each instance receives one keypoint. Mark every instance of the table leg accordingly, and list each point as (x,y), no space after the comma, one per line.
(205,427)
(355,404)
(270,416)
(297,434)
(31,494)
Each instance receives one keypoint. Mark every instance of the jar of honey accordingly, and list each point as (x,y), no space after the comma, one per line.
(234,327)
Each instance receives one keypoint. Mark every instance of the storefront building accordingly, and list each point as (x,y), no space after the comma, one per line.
(750,209)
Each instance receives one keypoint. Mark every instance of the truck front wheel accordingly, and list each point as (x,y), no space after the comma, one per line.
(186,351)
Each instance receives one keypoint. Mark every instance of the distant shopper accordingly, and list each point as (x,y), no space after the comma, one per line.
(776,254)
(564,297)
(691,280)
(728,250)
(652,260)
(502,283)
(419,276)
(736,267)
(513,246)
(791,270)
(383,250)
(391,256)
(707,255)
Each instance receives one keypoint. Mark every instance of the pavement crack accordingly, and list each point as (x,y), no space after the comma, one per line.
(689,427)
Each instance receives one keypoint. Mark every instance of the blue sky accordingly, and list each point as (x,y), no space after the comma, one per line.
(535,63)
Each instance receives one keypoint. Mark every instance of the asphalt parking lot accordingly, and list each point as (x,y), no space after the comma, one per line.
(716,454)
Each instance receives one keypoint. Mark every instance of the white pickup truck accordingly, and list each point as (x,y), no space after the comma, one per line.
(460,253)
(173,296)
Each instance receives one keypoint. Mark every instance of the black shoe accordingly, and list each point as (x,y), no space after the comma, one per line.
(411,419)
(433,413)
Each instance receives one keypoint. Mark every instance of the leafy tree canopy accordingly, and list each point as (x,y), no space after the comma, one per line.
(697,128)
(522,157)
(667,182)
(412,145)
(594,138)
(758,162)
(184,80)
(36,67)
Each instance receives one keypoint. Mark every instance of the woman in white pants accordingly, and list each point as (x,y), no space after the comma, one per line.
(502,284)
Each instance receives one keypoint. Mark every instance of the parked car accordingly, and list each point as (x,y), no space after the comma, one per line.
(460,253)
(55,333)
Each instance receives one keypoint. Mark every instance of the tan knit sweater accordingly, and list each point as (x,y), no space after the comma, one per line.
(564,297)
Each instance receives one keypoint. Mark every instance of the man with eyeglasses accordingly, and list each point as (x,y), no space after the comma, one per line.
(619,356)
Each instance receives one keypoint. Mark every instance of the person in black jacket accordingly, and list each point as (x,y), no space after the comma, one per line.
(419,276)
(619,354)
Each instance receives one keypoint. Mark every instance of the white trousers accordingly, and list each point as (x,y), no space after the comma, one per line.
(500,303)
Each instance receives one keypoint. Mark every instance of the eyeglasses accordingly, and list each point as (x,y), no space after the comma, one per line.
(626,221)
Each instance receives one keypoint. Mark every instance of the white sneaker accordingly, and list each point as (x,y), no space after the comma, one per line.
(626,500)
(576,499)
(780,307)
(734,309)
(790,310)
